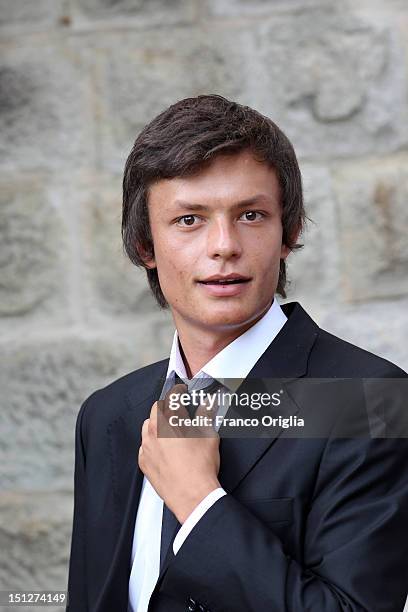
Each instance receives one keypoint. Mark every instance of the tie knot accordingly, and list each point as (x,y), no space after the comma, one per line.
(202,383)
(199,383)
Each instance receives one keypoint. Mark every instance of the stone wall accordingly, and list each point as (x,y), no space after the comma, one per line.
(78,79)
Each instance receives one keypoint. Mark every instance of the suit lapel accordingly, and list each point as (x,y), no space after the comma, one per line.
(286,358)
(239,452)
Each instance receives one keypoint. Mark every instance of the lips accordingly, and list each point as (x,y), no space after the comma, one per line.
(228,279)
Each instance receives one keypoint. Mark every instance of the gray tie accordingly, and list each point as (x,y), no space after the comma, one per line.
(170,524)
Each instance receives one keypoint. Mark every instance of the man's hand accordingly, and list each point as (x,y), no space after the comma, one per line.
(180,461)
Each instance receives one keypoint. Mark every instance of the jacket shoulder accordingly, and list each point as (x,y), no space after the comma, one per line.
(145,376)
(333,356)
(109,401)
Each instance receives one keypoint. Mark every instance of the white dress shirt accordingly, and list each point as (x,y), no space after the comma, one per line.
(235,361)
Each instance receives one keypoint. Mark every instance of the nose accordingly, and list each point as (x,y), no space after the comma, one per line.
(223,240)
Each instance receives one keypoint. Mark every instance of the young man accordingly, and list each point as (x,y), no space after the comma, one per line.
(212,207)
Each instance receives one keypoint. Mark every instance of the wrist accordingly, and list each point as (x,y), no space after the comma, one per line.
(189,500)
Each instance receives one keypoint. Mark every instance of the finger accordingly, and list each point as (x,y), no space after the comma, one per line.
(208,408)
(153,411)
(153,418)
(140,458)
(173,401)
(159,408)
(173,395)
(178,388)
(145,428)
(203,409)
(163,425)
(152,426)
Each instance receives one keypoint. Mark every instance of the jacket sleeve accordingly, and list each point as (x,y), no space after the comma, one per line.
(77,598)
(355,544)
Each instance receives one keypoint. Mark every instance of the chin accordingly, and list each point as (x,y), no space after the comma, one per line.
(230,317)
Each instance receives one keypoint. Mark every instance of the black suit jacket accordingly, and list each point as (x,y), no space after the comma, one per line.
(315,524)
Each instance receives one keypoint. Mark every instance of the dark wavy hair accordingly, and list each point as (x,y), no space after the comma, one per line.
(186,137)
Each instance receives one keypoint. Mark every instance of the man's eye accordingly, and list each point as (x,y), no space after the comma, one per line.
(251,215)
(186,220)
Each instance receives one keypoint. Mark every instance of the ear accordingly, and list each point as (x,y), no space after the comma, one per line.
(150,263)
(147,258)
(285,250)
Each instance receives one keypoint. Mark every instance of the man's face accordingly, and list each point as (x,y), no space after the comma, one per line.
(225,220)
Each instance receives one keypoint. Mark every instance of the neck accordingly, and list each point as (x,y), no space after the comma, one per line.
(199,345)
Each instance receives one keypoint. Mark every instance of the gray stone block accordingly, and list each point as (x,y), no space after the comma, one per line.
(24,12)
(144,74)
(111,283)
(373,218)
(32,249)
(35,535)
(45,114)
(138,13)
(334,81)
(313,271)
(381,327)
(43,386)
(229,8)
(382,5)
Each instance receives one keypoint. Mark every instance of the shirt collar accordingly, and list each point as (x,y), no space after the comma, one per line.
(237,359)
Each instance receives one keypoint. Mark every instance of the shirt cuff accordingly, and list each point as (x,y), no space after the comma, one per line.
(195,516)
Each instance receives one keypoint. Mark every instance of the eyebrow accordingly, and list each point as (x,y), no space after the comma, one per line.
(255,200)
